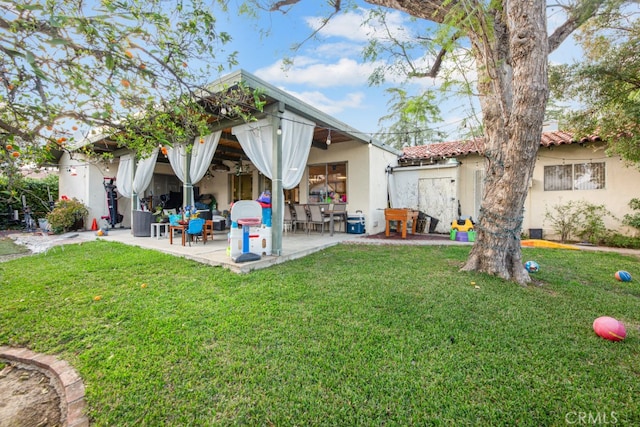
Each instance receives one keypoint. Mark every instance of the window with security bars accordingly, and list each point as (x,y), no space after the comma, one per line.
(581,176)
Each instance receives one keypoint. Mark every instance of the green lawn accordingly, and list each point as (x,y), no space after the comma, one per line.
(8,247)
(353,335)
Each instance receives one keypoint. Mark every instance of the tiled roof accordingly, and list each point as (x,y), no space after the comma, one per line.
(476,145)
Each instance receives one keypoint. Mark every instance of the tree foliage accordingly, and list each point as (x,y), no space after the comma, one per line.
(506,45)
(606,84)
(136,71)
(410,117)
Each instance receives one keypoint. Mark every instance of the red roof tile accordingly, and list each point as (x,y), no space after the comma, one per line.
(476,145)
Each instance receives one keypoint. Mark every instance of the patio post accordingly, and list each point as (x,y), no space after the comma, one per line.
(277,194)
(187,185)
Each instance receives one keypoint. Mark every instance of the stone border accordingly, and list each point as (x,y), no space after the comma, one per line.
(71,385)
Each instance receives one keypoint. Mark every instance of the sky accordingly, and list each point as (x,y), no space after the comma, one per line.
(328,71)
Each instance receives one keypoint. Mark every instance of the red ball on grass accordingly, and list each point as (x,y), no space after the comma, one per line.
(609,328)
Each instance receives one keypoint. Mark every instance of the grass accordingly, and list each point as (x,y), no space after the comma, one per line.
(353,335)
(8,247)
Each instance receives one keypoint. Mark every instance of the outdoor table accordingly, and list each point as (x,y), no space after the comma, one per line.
(157,228)
(402,216)
(182,228)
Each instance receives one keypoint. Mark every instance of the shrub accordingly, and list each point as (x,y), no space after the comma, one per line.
(617,240)
(564,219)
(579,218)
(633,220)
(65,214)
(592,228)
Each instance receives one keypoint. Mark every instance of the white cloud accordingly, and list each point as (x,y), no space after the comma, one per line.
(332,107)
(354,26)
(311,72)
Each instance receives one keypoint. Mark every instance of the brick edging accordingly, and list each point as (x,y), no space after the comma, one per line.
(71,385)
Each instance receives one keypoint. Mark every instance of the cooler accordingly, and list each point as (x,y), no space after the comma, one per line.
(355,223)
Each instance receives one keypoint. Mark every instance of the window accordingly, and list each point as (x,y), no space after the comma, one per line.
(588,176)
(557,178)
(581,176)
(328,183)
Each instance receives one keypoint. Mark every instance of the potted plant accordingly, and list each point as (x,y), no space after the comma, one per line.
(68,214)
(158,215)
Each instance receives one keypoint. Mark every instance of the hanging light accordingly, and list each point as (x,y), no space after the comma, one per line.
(329,138)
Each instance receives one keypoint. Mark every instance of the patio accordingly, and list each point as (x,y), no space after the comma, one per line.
(214,252)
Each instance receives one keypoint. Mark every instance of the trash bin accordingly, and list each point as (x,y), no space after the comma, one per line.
(142,223)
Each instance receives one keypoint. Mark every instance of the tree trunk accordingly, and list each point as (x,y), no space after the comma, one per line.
(512,75)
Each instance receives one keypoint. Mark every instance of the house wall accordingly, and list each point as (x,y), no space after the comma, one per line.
(366,178)
(620,187)
(87,186)
(409,183)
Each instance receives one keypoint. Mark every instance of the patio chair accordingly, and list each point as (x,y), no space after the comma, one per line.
(288,218)
(318,218)
(195,229)
(340,214)
(301,218)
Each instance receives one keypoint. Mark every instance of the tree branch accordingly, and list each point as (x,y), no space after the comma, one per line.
(577,16)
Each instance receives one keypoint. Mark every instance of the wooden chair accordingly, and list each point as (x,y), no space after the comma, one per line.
(318,218)
(207,230)
(301,218)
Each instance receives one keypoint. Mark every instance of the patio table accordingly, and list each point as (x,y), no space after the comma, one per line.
(157,228)
(182,228)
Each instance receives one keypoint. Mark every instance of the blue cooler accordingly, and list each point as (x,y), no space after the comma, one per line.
(355,223)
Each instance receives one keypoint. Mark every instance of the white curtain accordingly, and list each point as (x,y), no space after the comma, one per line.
(129,183)
(124,180)
(256,140)
(177,155)
(201,156)
(144,172)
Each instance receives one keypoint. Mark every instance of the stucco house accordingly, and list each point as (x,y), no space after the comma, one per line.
(312,154)
(445,180)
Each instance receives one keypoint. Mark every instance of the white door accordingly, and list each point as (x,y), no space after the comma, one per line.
(437,198)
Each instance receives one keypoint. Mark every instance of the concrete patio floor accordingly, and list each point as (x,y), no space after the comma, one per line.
(214,252)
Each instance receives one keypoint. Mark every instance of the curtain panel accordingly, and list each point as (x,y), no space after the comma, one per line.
(199,159)
(256,140)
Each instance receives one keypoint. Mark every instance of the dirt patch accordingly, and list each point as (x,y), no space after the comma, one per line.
(28,398)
